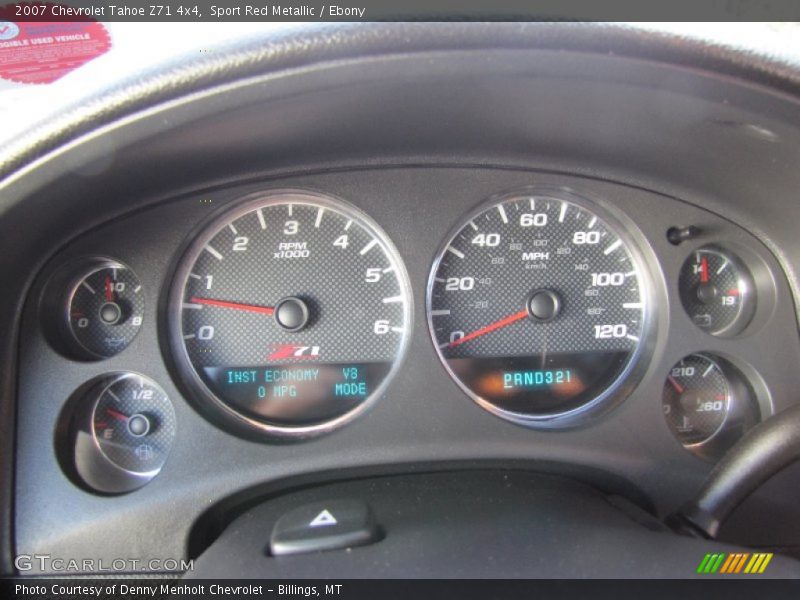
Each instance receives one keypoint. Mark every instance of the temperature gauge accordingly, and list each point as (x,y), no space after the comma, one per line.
(124,433)
(717,291)
(707,404)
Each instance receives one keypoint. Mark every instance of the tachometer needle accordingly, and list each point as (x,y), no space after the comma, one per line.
(489,328)
(265,310)
(109,290)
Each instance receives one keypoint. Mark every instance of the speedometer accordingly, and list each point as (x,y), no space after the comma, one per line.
(538,306)
(289,314)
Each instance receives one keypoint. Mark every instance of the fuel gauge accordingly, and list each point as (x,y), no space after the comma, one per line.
(124,432)
(717,291)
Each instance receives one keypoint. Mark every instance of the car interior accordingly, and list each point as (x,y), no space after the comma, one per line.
(443,300)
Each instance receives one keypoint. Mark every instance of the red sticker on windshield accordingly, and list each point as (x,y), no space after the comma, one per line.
(42,52)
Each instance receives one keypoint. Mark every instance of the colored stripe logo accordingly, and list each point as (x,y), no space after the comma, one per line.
(734,563)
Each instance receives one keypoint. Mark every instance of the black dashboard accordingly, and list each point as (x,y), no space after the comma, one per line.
(528,255)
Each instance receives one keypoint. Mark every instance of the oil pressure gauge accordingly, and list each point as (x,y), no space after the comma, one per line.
(717,291)
(94,309)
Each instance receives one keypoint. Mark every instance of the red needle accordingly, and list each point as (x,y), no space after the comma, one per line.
(109,290)
(489,328)
(116,414)
(266,310)
(704,270)
(678,387)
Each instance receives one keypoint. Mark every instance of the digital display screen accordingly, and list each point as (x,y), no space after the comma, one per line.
(295,393)
(531,379)
(532,385)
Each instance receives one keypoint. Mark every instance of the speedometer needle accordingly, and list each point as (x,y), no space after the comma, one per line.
(489,328)
(265,310)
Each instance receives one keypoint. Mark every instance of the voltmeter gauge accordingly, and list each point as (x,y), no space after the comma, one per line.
(717,291)
(123,433)
(707,403)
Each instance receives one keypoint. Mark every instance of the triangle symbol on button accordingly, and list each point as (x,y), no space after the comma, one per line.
(323,519)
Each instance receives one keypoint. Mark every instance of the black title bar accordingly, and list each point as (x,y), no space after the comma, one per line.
(732,588)
(401,10)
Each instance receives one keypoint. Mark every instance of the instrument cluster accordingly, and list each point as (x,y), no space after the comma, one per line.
(288,312)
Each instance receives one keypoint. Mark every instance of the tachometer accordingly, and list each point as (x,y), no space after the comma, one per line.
(538,306)
(289,313)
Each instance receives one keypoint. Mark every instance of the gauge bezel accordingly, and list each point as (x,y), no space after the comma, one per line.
(205,399)
(644,260)
(749,295)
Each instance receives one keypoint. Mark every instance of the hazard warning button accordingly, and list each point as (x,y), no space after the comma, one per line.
(322,526)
